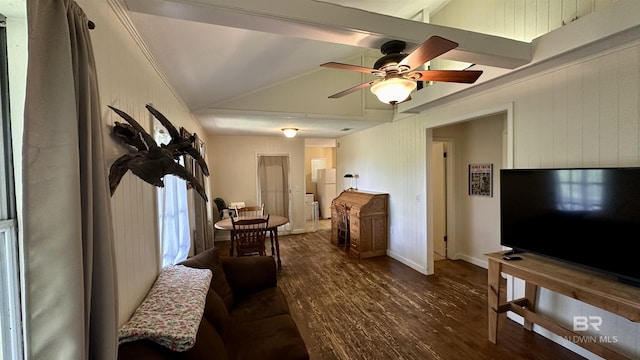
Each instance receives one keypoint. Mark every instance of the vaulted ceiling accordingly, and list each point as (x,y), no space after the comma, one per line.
(219,53)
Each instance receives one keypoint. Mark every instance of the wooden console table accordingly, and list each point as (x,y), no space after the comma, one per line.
(587,286)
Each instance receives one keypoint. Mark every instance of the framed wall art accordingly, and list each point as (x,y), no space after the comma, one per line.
(481,180)
(190,163)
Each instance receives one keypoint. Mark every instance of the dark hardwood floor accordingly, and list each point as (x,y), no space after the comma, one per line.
(378,308)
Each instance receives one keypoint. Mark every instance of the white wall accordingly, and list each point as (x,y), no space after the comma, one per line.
(128,81)
(390,158)
(17,64)
(475,231)
(234,170)
(576,115)
(583,113)
(514,19)
(16,20)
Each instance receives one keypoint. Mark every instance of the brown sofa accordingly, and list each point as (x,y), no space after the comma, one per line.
(246,315)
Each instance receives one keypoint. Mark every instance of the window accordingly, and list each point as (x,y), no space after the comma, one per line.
(173,213)
(10,322)
(9,292)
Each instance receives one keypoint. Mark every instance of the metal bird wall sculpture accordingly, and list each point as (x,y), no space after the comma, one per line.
(179,145)
(151,162)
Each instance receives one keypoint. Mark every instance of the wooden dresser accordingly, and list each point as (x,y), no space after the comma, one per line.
(368,222)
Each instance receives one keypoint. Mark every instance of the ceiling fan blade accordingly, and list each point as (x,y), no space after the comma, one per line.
(336,65)
(459,76)
(353,89)
(428,50)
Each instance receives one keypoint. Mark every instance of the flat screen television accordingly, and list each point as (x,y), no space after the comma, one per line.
(589,217)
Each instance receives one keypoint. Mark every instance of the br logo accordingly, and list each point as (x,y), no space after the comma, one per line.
(582,323)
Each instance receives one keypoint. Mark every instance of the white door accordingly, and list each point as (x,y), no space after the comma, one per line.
(439,201)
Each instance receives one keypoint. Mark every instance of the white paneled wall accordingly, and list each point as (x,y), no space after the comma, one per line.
(474,231)
(515,19)
(522,20)
(581,114)
(390,158)
(584,113)
(128,81)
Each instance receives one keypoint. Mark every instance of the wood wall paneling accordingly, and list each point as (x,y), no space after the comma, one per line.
(391,157)
(586,134)
(583,113)
(128,81)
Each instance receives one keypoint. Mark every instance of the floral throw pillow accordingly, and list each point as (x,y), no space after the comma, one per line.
(171,312)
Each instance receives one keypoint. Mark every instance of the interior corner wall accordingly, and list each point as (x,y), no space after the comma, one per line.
(561,119)
(232,161)
(477,230)
(391,158)
(128,81)
(312,152)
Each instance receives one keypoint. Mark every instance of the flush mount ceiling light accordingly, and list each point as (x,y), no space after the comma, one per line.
(290,132)
(393,90)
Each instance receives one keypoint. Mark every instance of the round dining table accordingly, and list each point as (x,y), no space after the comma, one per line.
(272,226)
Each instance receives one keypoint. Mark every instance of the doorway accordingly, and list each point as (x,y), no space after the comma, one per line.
(442,182)
(471,229)
(273,185)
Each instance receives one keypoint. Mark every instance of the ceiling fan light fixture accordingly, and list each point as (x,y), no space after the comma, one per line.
(290,132)
(393,90)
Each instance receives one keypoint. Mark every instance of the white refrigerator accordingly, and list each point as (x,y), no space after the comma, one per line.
(326,187)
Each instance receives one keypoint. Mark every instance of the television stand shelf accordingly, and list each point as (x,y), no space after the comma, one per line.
(597,289)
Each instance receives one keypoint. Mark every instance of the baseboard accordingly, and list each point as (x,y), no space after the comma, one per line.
(417,267)
(483,263)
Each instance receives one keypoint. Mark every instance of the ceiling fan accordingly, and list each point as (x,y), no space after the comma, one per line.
(396,73)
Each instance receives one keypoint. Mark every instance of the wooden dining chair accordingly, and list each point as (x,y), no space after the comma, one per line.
(344,233)
(251,211)
(249,234)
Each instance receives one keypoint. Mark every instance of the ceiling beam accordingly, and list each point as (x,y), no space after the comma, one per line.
(609,28)
(337,24)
